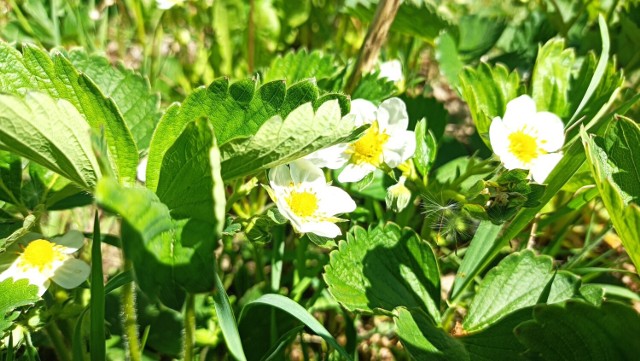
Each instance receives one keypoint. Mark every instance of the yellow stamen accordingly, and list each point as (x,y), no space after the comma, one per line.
(368,149)
(41,254)
(303,204)
(523,146)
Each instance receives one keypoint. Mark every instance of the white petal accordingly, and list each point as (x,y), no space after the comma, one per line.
(280,176)
(72,273)
(399,148)
(364,110)
(141,170)
(72,241)
(303,171)
(391,70)
(333,200)
(286,212)
(355,172)
(333,157)
(510,161)
(543,165)
(550,131)
(322,229)
(520,111)
(392,116)
(499,137)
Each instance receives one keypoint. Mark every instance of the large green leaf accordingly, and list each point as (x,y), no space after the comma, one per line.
(280,141)
(296,66)
(35,70)
(14,294)
(50,132)
(615,164)
(384,268)
(425,340)
(236,111)
(185,176)
(169,256)
(487,90)
(415,17)
(581,331)
(551,76)
(130,91)
(517,282)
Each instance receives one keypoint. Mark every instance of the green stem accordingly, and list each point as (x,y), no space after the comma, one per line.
(189,327)
(129,318)
(57,340)
(54,20)
(277,255)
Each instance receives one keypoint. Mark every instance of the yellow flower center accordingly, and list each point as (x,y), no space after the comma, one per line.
(523,146)
(40,254)
(368,149)
(303,204)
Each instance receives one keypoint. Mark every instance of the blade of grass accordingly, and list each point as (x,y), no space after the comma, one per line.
(227,321)
(97,340)
(294,309)
(601,67)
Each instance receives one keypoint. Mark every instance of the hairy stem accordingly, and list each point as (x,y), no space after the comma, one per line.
(129,318)
(189,327)
(57,340)
(375,38)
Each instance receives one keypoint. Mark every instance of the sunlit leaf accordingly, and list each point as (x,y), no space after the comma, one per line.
(384,268)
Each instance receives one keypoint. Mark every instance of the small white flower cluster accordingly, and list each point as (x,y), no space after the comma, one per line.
(300,190)
(527,139)
(40,261)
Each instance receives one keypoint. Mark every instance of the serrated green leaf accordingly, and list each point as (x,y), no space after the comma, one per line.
(236,111)
(478,34)
(14,294)
(517,282)
(384,268)
(185,177)
(35,70)
(448,58)
(299,65)
(580,331)
(130,91)
(50,132)
(487,90)
(615,164)
(169,256)
(280,141)
(373,88)
(551,76)
(497,342)
(425,340)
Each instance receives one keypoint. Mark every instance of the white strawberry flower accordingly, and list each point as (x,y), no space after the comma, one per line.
(303,196)
(387,142)
(527,139)
(39,261)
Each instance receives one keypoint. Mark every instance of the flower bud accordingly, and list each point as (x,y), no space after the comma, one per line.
(398,196)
